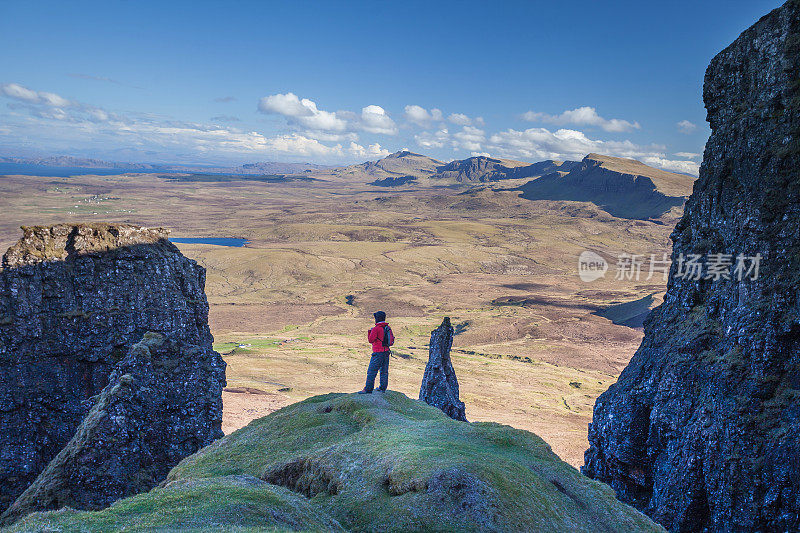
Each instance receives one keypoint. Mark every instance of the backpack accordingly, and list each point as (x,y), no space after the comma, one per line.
(388,336)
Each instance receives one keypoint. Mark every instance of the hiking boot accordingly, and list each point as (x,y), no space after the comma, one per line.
(362,391)
(381,390)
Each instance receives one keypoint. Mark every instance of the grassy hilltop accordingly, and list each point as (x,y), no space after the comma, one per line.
(364,463)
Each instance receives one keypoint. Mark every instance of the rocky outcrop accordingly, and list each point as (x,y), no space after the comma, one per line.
(701,430)
(472,169)
(74,299)
(482,169)
(439,384)
(157,408)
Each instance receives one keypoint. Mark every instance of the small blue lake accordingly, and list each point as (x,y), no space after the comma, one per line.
(216,241)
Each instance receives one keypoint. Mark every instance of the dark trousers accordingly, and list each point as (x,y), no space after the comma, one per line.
(379,361)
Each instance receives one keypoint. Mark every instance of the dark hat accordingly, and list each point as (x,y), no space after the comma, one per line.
(380,316)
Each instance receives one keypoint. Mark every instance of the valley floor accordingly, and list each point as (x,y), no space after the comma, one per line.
(290,310)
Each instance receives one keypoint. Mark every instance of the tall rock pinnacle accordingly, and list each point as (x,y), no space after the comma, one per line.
(439,384)
(701,430)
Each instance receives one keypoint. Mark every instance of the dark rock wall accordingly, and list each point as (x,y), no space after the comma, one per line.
(158,407)
(73,300)
(702,430)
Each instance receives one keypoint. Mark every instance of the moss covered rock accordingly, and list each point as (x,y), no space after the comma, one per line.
(379,462)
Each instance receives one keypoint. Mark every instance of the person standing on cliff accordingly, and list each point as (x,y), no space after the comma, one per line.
(381,338)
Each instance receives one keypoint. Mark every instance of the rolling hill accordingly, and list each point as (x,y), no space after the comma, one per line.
(402,163)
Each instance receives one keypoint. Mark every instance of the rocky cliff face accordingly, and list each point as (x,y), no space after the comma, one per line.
(701,430)
(153,413)
(73,301)
(439,384)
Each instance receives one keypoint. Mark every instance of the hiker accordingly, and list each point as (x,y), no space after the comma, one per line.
(381,338)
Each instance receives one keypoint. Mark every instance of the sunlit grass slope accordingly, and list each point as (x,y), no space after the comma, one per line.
(366,463)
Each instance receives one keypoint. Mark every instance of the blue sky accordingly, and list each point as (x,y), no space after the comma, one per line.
(340,82)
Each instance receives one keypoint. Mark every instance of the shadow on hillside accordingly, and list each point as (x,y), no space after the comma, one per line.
(634,198)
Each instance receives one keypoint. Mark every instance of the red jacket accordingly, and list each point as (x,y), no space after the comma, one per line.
(375,337)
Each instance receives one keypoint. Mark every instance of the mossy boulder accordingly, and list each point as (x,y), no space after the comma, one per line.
(379,462)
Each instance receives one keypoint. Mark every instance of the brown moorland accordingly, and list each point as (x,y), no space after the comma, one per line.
(289,310)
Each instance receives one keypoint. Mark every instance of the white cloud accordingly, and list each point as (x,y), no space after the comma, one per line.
(371,151)
(422,117)
(686,127)
(51,105)
(52,99)
(327,136)
(305,113)
(686,167)
(536,144)
(288,105)
(582,116)
(18,92)
(323,136)
(293,144)
(65,124)
(375,120)
(302,111)
(429,140)
(469,138)
(54,113)
(460,119)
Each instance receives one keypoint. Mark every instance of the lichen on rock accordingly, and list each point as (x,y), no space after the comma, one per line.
(155,410)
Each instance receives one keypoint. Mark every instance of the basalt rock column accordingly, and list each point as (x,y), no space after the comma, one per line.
(439,384)
(702,429)
(155,411)
(73,300)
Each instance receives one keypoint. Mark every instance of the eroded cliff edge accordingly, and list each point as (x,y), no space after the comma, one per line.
(74,300)
(701,430)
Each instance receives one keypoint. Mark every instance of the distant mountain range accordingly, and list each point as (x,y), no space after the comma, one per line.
(406,168)
(624,188)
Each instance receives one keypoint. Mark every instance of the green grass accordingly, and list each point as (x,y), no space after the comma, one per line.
(366,463)
(234,503)
(246,346)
